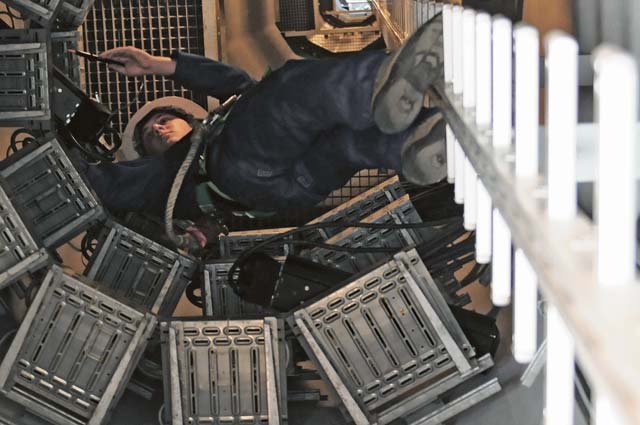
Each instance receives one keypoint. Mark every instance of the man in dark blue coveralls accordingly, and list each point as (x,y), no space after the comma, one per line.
(291,138)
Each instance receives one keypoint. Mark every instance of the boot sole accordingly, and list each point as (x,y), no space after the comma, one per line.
(401,85)
(424,156)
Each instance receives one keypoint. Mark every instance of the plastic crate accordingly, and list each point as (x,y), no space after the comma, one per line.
(400,211)
(50,194)
(19,252)
(387,342)
(140,270)
(25,68)
(224,372)
(74,352)
(220,301)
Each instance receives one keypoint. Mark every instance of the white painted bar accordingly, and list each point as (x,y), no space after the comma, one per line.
(447,30)
(559,382)
(447,22)
(424,14)
(525,310)
(483,122)
(450,142)
(483,70)
(459,173)
(432,9)
(438,7)
(562,121)
(483,225)
(501,266)
(469,102)
(470,195)
(527,99)
(458,63)
(502,76)
(617,110)
(606,412)
(469,59)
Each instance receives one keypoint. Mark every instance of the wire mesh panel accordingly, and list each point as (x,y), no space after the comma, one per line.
(50,193)
(400,211)
(24,77)
(225,372)
(296,15)
(386,340)
(220,301)
(232,245)
(74,352)
(141,271)
(159,28)
(19,253)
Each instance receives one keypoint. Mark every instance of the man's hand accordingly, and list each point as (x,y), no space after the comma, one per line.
(138,62)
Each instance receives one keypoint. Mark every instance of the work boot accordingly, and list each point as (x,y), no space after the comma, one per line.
(424,153)
(403,78)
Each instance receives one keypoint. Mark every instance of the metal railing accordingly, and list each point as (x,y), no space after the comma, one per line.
(585,272)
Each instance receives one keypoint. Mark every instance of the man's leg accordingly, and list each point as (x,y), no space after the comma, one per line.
(419,153)
(284,115)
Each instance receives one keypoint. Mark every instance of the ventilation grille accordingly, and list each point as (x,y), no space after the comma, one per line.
(157,27)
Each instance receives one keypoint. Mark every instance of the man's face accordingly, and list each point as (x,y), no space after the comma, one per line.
(163,130)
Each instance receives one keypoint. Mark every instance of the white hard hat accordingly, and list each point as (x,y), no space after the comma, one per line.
(128,151)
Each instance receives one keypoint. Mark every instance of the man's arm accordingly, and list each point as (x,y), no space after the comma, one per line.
(215,78)
(191,71)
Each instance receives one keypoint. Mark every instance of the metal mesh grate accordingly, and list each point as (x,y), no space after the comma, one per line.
(296,15)
(159,28)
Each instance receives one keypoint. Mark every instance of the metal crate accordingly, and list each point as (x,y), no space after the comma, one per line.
(140,270)
(220,301)
(43,12)
(19,252)
(225,372)
(357,208)
(74,352)
(25,68)
(233,244)
(68,63)
(400,211)
(73,13)
(387,342)
(52,197)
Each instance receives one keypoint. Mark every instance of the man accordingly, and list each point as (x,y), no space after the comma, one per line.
(290,139)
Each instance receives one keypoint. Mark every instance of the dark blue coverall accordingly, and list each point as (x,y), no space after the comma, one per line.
(289,141)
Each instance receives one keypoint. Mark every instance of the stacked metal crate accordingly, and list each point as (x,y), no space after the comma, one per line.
(389,345)
(142,271)
(19,251)
(398,212)
(233,244)
(62,15)
(25,68)
(230,371)
(74,352)
(220,301)
(51,195)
